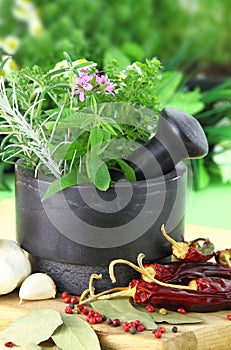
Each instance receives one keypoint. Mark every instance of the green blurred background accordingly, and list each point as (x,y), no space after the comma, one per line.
(190,37)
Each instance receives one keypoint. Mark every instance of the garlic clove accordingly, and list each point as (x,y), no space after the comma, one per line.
(15,266)
(37,286)
(8,282)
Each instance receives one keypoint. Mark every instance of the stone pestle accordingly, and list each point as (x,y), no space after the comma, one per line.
(179,136)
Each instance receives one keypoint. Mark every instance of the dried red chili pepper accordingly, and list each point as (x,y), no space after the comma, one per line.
(183,272)
(203,294)
(172,298)
(224,257)
(212,284)
(190,251)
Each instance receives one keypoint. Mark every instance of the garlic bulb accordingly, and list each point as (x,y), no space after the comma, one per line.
(36,287)
(15,266)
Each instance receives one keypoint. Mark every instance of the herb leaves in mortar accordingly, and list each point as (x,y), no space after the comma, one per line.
(75,123)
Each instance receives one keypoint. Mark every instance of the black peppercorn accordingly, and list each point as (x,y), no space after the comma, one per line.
(108,321)
(132,330)
(174,329)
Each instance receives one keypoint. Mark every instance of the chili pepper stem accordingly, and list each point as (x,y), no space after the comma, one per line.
(129,263)
(147,277)
(108,294)
(179,249)
(92,278)
(84,295)
(143,271)
(227,259)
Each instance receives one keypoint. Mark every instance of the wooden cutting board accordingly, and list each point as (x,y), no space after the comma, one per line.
(213,333)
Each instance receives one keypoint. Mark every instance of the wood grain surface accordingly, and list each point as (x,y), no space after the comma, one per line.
(213,333)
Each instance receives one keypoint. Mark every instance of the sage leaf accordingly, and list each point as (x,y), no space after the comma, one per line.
(122,309)
(67,180)
(170,317)
(34,327)
(75,334)
(127,169)
(99,172)
(96,137)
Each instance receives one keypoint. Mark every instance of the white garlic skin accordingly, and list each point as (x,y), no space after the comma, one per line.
(14,266)
(37,286)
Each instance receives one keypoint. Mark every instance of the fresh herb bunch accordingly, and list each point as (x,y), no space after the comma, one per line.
(61,122)
(76,124)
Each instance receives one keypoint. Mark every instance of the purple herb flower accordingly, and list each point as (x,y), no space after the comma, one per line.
(104,80)
(83,84)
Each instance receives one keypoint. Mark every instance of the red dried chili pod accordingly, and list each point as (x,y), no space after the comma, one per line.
(212,284)
(182,272)
(188,299)
(190,251)
(202,294)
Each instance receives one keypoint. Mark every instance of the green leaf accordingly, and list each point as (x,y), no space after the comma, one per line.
(169,95)
(203,176)
(74,120)
(170,317)
(96,137)
(134,51)
(127,170)
(214,95)
(3,63)
(34,327)
(68,58)
(167,86)
(123,309)
(219,133)
(31,346)
(60,184)
(116,54)
(67,151)
(99,173)
(108,127)
(51,87)
(188,102)
(93,103)
(75,334)
(102,178)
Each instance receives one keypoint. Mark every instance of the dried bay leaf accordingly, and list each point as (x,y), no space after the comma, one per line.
(75,334)
(122,309)
(30,346)
(34,327)
(170,317)
(173,317)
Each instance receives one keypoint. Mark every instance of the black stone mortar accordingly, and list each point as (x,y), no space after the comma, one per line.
(70,263)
